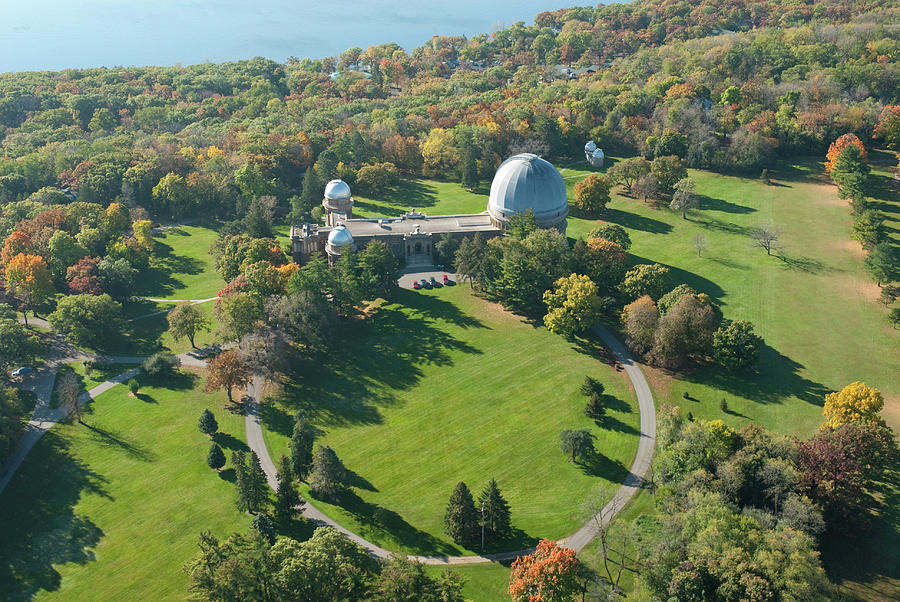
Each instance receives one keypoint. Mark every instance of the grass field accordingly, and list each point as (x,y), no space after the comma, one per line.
(442,386)
(811,300)
(111,510)
(433,197)
(181,266)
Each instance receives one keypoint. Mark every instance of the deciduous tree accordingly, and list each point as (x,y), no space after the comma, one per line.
(577,443)
(550,574)
(592,194)
(857,402)
(572,305)
(683,198)
(227,371)
(186,320)
(646,279)
(735,346)
(87,320)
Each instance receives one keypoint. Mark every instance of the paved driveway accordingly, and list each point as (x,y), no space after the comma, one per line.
(409,275)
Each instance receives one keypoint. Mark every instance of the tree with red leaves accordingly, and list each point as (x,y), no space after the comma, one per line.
(549,574)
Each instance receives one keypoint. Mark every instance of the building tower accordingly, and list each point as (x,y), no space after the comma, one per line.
(338,202)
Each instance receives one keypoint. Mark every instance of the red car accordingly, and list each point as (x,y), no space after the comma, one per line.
(416,285)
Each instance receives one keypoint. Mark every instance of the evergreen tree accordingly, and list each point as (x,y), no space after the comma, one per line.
(312,192)
(591,386)
(239,461)
(595,408)
(216,457)
(495,517)
(881,263)
(257,486)
(461,519)
(301,447)
(328,475)
(286,498)
(208,424)
(262,524)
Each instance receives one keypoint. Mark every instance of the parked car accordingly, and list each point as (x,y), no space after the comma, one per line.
(435,283)
(22,371)
(447,281)
(425,283)
(416,285)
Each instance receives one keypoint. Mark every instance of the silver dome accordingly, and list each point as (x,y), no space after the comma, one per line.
(525,182)
(337,190)
(598,153)
(340,236)
(590,147)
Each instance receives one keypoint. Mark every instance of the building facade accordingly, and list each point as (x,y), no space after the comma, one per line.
(522,182)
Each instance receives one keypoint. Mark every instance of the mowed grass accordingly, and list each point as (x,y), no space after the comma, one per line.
(433,197)
(440,387)
(181,266)
(88,379)
(483,582)
(811,301)
(112,510)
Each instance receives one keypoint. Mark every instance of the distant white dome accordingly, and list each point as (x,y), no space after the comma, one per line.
(525,182)
(340,236)
(590,147)
(598,154)
(337,190)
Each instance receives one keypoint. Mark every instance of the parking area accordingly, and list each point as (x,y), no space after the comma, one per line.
(411,275)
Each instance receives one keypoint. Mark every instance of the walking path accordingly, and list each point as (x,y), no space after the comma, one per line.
(45,417)
(576,541)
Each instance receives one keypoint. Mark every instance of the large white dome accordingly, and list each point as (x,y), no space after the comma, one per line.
(337,190)
(340,237)
(525,182)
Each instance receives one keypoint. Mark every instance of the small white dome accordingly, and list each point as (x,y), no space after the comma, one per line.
(598,153)
(590,147)
(340,236)
(337,190)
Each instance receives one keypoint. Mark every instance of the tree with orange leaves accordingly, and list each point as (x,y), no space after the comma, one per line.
(29,280)
(16,243)
(840,144)
(550,574)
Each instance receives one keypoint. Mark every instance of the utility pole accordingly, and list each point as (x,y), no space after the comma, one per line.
(482,525)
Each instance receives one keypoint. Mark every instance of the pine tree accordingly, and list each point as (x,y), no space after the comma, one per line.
(461,519)
(328,475)
(301,447)
(208,424)
(286,498)
(239,461)
(257,485)
(215,458)
(262,524)
(595,408)
(311,195)
(496,511)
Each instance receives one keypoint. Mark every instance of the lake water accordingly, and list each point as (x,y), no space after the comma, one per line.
(54,34)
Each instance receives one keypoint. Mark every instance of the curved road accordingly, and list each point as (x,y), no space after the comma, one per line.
(45,417)
(577,541)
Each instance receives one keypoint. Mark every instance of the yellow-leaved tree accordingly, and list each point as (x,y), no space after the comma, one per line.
(572,305)
(856,402)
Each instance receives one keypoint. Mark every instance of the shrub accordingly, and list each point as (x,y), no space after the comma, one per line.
(160,363)
(134,386)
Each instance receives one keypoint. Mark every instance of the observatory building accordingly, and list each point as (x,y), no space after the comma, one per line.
(522,182)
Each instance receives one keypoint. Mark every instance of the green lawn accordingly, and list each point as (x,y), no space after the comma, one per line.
(111,510)
(181,266)
(484,582)
(433,197)
(441,386)
(811,301)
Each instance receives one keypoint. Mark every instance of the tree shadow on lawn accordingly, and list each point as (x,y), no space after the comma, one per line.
(695,281)
(365,367)
(109,438)
(435,308)
(157,280)
(722,226)
(228,441)
(873,552)
(598,465)
(636,221)
(38,526)
(778,378)
(407,194)
(708,203)
(228,474)
(801,263)
(374,517)
(614,424)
